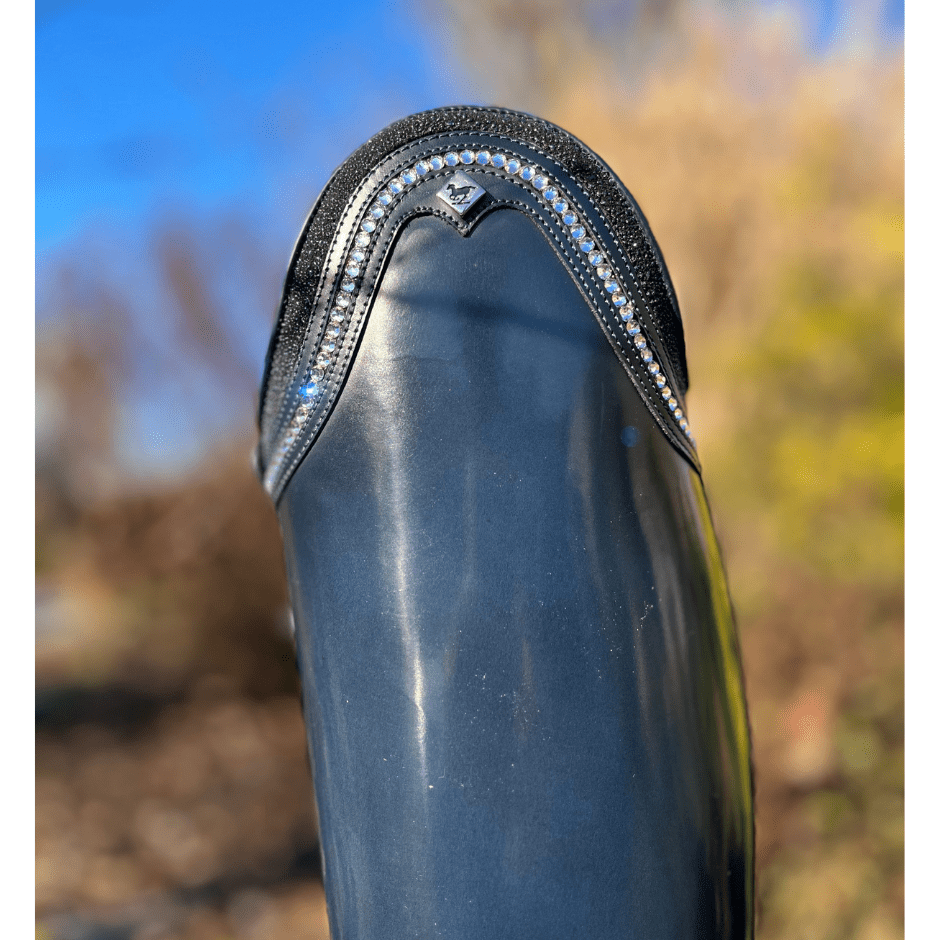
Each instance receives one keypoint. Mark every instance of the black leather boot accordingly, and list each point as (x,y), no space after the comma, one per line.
(522,683)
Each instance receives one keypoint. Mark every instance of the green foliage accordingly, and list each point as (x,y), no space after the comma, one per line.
(819,446)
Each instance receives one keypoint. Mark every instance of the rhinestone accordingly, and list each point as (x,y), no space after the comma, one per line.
(337,317)
(353,270)
(595,257)
(396,186)
(672,403)
(362,240)
(436,162)
(498,160)
(422,168)
(611,287)
(660,380)
(303,411)
(639,341)
(466,156)
(579,231)
(328,346)
(409,176)
(334,330)
(343,302)
(376,211)
(586,245)
(666,392)
(317,375)
(323,360)
(618,300)
(311,390)
(646,355)
(483,157)
(569,218)
(559,205)
(678,413)
(683,423)
(359,256)
(540,182)
(550,193)
(385,197)
(512,166)
(527,172)
(368,225)
(451,159)
(604,271)
(297,424)
(633,328)
(348,286)
(628,311)
(653,368)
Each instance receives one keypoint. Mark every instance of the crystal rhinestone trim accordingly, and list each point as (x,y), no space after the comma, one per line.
(316,376)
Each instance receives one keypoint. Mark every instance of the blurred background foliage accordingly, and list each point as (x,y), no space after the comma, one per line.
(173,797)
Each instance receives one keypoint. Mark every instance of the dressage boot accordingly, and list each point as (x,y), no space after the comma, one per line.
(521,677)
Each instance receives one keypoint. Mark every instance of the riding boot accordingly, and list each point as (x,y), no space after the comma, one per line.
(521,677)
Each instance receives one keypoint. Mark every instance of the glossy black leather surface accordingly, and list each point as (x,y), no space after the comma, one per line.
(521,677)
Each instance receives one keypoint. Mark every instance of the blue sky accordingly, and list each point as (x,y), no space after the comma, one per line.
(140,104)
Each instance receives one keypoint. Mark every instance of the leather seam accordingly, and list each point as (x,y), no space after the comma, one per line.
(395,161)
(574,265)
(394,157)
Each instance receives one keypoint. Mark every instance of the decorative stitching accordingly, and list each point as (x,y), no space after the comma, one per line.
(277,371)
(321,380)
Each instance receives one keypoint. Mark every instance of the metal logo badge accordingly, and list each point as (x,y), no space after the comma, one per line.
(460,192)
